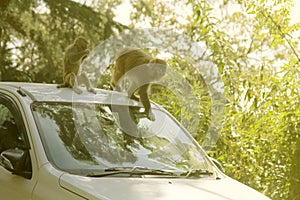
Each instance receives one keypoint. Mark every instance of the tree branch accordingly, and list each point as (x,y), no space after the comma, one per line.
(282,34)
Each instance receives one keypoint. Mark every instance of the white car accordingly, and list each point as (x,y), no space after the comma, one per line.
(56,144)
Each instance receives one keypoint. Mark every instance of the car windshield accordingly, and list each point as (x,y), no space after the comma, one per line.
(89,138)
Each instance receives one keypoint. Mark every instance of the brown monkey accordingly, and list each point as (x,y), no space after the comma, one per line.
(134,71)
(74,55)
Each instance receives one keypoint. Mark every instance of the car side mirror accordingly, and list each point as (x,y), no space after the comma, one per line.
(13,160)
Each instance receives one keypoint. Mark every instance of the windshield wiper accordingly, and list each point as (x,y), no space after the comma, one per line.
(132,171)
(197,172)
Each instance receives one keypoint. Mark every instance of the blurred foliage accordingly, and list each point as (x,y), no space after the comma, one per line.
(187,99)
(253,44)
(35,33)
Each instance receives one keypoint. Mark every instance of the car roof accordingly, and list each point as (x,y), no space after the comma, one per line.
(50,93)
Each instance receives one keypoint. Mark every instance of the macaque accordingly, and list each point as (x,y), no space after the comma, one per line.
(74,56)
(134,71)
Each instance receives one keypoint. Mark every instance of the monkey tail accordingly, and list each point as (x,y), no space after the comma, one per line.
(62,85)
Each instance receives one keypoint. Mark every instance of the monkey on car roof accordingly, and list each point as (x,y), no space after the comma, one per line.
(74,56)
(134,71)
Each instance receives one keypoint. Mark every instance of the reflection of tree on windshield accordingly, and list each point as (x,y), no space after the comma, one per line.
(61,115)
(126,119)
(85,136)
(94,134)
(169,150)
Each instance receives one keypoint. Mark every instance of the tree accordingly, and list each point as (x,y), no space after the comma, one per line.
(35,33)
(251,42)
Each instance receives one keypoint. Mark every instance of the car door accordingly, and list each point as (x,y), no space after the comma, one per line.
(13,136)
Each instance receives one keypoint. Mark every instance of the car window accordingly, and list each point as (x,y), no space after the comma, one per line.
(8,129)
(12,132)
(79,138)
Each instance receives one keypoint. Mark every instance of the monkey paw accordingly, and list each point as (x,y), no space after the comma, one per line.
(92,90)
(151,116)
(77,90)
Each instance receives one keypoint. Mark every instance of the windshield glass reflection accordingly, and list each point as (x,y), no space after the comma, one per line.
(82,138)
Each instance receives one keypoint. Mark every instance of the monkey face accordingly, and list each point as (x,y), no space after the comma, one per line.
(159,68)
(162,69)
(82,44)
(157,71)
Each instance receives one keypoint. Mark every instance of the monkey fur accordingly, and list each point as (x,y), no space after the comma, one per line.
(134,71)
(74,56)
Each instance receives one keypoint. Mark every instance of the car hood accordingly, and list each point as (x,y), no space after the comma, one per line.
(113,188)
